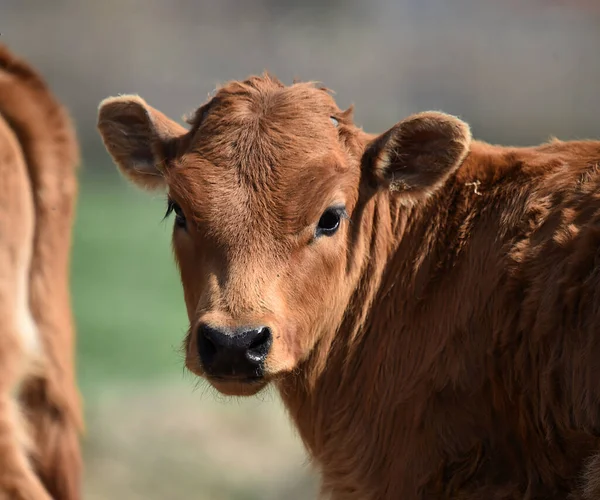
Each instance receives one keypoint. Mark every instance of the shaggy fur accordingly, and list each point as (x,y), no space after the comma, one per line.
(444,342)
(40,415)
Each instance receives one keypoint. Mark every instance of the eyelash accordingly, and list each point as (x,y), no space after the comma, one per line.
(180,220)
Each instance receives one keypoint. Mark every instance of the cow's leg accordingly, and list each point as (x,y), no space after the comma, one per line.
(17,478)
(53,414)
(18,481)
(51,398)
(19,343)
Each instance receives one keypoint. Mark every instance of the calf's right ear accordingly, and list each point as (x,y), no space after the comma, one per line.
(417,155)
(139,138)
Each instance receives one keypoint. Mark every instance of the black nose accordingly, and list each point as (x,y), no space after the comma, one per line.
(234,353)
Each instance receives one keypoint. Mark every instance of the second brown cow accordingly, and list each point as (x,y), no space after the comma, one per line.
(428,305)
(40,407)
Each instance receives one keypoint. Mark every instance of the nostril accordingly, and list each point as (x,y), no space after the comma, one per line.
(262,336)
(206,345)
(260,344)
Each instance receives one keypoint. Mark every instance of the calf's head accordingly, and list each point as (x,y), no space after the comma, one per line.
(266,188)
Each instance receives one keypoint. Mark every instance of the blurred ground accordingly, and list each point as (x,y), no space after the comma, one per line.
(140,448)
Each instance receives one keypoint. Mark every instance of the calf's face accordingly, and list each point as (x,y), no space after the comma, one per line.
(265,189)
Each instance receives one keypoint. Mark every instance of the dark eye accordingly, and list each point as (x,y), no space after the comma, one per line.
(329,222)
(179,215)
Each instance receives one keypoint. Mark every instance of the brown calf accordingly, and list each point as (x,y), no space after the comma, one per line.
(428,305)
(40,416)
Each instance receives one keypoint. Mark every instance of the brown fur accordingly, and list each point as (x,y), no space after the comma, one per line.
(40,152)
(444,342)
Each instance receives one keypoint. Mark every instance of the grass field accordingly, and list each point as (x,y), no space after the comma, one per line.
(153,432)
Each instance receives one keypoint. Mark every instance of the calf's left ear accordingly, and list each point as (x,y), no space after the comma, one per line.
(417,155)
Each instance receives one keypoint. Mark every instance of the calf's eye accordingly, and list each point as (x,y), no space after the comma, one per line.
(180,220)
(329,222)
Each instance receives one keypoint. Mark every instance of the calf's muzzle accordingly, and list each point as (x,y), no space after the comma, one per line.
(234,353)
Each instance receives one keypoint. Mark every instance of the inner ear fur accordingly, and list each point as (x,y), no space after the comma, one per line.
(417,155)
(139,138)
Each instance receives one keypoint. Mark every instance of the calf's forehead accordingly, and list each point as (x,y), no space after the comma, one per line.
(284,202)
(263,151)
(254,131)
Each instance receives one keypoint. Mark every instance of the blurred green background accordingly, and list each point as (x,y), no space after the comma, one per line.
(518,71)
